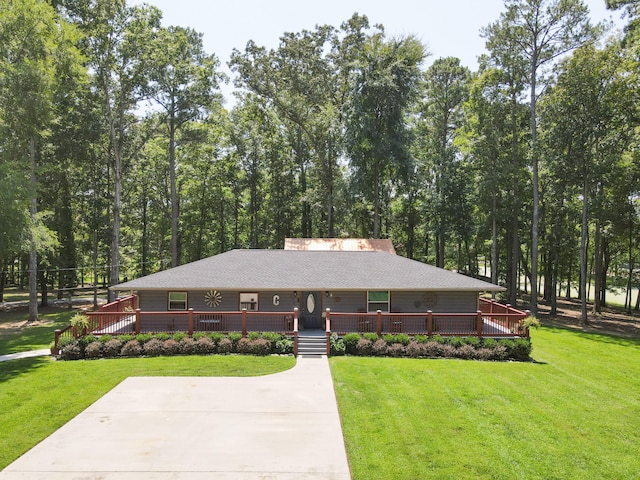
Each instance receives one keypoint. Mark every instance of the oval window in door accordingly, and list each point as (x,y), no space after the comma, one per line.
(311,303)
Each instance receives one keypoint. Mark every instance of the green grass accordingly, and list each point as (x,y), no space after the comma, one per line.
(39,395)
(574,414)
(32,337)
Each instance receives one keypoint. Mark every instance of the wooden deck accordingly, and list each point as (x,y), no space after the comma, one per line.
(491,320)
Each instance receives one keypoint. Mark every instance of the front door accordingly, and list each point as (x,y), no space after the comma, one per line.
(311,310)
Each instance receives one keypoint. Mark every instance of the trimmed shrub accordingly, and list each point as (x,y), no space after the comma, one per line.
(243,345)
(93,350)
(216,336)
(401,338)
(234,336)
(415,349)
(187,346)
(484,353)
(396,350)
(499,353)
(163,337)
(284,346)
(438,338)
(105,338)
(225,345)
(126,338)
(205,346)
(474,341)
(143,338)
(433,349)
(253,335)
(86,340)
(131,349)
(372,337)
(153,347)
(364,347)
(273,337)
(260,346)
(521,349)
(112,348)
(336,345)
(455,342)
(198,335)
(379,348)
(71,351)
(489,343)
(467,352)
(421,339)
(350,341)
(447,351)
(170,347)
(178,337)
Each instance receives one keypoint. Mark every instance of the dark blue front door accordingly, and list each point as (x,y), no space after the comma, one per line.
(311,310)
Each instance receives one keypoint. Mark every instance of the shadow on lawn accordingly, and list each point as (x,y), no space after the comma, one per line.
(610,338)
(32,337)
(23,366)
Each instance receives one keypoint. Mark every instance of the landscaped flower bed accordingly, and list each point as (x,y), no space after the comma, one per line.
(421,346)
(164,344)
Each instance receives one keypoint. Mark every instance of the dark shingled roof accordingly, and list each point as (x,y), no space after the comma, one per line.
(306,270)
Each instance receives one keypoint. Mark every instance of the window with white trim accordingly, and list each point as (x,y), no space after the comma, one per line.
(177,300)
(378,300)
(249,301)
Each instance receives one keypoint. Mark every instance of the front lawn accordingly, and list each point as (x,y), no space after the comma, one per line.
(16,335)
(574,414)
(39,395)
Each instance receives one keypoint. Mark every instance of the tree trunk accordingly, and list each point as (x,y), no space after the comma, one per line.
(583,254)
(33,254)
(597,274)
(629,281)
(114,277)
(411,225)
(494,243)
(440,248)
(175,205)
(512,287)
(44,290)
(536,194)
(144,247)
(3,279)
(376,203)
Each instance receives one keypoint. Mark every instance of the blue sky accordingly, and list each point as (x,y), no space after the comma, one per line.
(446,27)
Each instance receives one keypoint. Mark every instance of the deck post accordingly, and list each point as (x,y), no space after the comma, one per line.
(190,327)
(55,350)
(137,321)
(429,323)
(526,332)
(328,330)
(479,323)
(295,331)
(379,322)
(244,322)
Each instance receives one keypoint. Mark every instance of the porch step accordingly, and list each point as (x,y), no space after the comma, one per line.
(312,345)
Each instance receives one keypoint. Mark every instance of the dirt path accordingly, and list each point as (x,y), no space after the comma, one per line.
(610,321)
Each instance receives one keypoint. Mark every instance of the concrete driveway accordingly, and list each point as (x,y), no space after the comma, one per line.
(281,426)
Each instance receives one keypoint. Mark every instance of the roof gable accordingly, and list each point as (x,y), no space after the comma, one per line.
(340,244)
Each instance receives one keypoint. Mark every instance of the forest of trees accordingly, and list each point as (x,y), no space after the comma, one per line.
(118,157)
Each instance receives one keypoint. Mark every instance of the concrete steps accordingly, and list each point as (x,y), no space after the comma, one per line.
(312,345)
